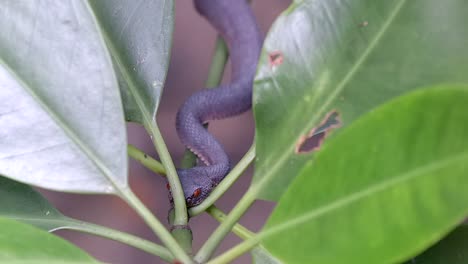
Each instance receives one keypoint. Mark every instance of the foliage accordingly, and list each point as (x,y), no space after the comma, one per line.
(365,102)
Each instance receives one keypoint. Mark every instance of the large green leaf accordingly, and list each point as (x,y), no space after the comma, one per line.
(22,243)
(452,249)
(21,202)
(349,56)
(139,37)
(61,116)
(388,186)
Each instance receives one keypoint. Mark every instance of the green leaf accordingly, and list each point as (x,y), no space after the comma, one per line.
(22,243)
(61,118)
(139,37)
(349,56)
(452,249)
(388,186)
(21,202)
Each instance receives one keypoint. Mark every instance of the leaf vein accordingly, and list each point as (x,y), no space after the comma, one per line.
(289,148)
(359,195)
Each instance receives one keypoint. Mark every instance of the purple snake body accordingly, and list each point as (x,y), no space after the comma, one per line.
(234,20)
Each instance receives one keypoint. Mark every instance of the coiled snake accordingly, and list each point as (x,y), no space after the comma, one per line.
(234,20)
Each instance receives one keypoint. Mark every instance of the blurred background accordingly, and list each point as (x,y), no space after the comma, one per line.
(193,44)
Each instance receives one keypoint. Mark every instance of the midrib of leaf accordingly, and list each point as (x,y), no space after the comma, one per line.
(132,87)
(360,195)
(180,209)
(60,123)
(290,147)
(60,223)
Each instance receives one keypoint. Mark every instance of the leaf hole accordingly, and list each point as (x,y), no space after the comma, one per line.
(275,58)
(314,139)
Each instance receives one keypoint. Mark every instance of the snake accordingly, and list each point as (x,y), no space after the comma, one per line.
(235,22)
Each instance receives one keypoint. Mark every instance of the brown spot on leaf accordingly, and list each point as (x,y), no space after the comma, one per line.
(314,139)
(275,58)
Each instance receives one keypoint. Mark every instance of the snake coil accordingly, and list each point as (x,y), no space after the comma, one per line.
(234,20)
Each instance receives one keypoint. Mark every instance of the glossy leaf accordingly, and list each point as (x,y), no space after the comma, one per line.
(22,243)
(139,37)
(347,56)
(61,116)
(21,202)
(388,186)
(451,249)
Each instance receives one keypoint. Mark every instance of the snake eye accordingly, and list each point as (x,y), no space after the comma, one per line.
(196,193)
(168,186)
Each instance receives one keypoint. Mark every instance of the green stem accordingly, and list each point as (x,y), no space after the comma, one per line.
(180,209)
(215,239)
(233,253)
(128,239)
(218,63)
(182,236)
(237,229)
(226,183)
(212,210)
(155,225)
(146,160)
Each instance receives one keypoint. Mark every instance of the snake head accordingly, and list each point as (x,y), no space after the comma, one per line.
(195,184)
